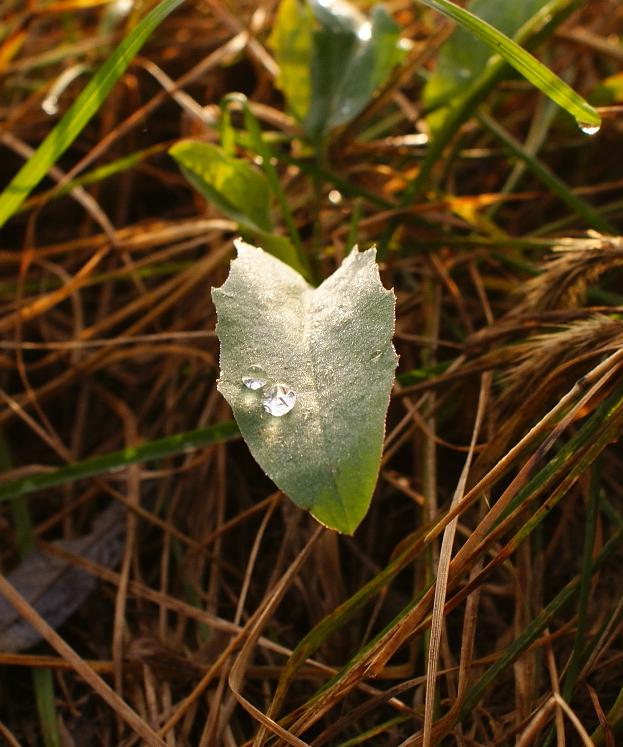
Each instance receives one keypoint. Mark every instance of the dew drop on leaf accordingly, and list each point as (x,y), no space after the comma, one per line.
(279,399)
(255,378)
(589,129)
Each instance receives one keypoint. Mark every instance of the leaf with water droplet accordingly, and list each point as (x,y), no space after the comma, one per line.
(330,349)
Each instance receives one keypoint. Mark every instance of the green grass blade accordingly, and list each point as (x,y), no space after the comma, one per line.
(116,460)
(582,627)
(341,615)
(80,112)
(46,706)
(95,175)
(533,70)
(43,679)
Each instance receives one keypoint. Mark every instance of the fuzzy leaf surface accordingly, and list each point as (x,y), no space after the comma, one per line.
(332,345)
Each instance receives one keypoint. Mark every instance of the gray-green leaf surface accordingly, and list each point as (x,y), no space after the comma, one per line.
(332,345)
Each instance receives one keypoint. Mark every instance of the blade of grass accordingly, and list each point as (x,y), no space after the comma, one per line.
(96,175)
(533,70)
(579,644)
(376,731)
(585,585)
(117,460)
(80,112)
(441,580)
(43,681)
(339,617)
(544,116)
(46,706)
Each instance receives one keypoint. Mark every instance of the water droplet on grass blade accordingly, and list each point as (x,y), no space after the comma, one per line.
(589,129)
(278,400)
(255,378)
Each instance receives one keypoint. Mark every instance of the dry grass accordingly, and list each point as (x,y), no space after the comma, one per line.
(227,616)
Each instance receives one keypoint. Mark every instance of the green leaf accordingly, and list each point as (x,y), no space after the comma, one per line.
(238,189)
(463,57)
(332,346)
(291,41)
(282,248)
(533,70)
(80,112)
(332,59)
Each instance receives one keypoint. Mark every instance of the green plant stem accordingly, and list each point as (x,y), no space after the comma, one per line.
(263,149)
(533,70)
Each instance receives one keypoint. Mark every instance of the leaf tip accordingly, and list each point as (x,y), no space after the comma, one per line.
(243,247)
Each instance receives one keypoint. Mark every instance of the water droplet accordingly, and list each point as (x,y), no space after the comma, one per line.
(365,31)
(279,399)
(589,129)
(335,197)
(255,378)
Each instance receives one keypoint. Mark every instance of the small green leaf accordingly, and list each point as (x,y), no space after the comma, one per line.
(80,112)
(237,188)
(332,346)
(282,248)
(291,41)
(463,57)
(332,59)
(533,70)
